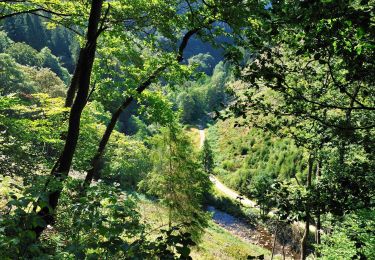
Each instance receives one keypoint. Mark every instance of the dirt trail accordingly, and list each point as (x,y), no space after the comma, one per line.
(253,235)
(202,136)
(240,228)
(220,186)
(231,193)
(246,202)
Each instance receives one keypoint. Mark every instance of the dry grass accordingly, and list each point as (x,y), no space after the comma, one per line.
(193,133)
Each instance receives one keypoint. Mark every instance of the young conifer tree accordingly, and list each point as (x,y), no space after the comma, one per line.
(207,157)
(177,178)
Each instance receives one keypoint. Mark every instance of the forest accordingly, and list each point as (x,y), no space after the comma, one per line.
(187,129)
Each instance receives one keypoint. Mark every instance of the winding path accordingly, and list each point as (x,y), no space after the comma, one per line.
(220,186)
(231,193)
(237,227)
(236,196)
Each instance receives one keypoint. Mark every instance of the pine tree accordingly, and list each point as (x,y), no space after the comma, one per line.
(207,157)
(177,178)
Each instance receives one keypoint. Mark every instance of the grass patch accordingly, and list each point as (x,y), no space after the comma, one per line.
(194,135)
(248,158)
(217,243)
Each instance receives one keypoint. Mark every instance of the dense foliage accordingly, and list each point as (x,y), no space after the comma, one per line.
(312,83)
(94,95)
(182,178)
(200,98)
(251,161)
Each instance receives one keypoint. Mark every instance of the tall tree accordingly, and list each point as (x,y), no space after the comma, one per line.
(307,212)
(177,178)
(207,157)
(63,164)
(93,172)
(198,20)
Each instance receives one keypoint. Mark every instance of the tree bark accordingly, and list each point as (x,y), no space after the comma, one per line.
(95,162)
(318,222)
(274,241)
(307,220)
(84,68)
(70,94)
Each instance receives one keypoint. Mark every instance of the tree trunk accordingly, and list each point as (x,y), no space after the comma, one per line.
(70,94)
(274,241)
(307,220)
(318,224)
(95,162)
(318,228)
(59,174)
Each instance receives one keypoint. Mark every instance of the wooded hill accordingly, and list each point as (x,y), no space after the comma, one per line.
(96,99)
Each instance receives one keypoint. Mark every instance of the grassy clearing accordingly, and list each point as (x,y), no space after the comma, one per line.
(245,155)
(193,133)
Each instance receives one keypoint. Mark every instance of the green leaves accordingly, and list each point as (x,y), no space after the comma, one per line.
(101,222)
(31,125)
(156,108)
(177,179)
(352,237)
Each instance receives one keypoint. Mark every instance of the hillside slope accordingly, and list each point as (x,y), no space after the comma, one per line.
(248,158)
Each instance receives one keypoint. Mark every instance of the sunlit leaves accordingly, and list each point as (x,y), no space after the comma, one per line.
(29,124)
(353,237)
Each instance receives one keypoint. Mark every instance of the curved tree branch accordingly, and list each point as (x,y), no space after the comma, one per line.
(93,172)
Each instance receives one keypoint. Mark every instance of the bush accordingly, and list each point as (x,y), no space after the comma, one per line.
(5,42)
(244,150)
(228,165)
(12,77)
(45,81)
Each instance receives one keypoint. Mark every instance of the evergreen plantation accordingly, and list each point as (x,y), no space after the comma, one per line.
(187,129)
